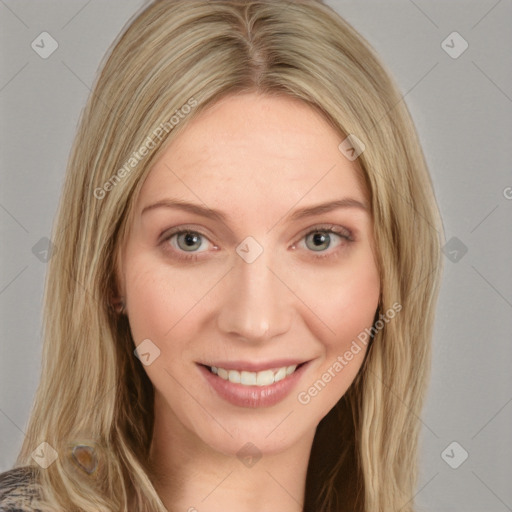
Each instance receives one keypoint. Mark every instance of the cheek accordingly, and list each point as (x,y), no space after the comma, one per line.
(345,301)
(354,304)
(159,297)
(342,300)
(148,295)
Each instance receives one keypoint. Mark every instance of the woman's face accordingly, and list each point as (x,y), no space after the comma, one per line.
(233,280)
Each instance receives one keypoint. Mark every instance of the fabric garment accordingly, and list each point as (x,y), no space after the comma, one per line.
(14,493)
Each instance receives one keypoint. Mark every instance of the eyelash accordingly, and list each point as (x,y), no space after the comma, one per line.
(329,229)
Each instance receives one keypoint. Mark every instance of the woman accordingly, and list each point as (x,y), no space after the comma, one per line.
(247,267)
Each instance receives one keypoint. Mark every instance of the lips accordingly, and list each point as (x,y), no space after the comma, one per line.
(253,384)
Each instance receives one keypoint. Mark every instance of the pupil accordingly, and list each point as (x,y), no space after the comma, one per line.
(320,239)
(191,239)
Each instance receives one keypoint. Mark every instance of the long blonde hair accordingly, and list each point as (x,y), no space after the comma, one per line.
(93,391)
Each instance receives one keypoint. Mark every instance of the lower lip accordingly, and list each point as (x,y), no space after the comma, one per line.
(252,396)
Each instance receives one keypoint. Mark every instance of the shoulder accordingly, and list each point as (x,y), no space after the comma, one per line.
(15,489)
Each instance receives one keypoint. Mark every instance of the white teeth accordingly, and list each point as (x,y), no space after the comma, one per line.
(263,378)
(248,378)
(280,374)
(234,376)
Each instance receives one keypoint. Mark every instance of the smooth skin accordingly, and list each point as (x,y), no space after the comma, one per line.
(258,160)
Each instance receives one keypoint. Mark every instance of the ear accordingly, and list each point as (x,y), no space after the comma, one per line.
(117,288)
(119,306)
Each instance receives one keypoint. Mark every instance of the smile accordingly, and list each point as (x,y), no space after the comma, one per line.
(263,378)
(245,384)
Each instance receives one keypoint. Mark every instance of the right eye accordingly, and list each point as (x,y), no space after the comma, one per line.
(185,243)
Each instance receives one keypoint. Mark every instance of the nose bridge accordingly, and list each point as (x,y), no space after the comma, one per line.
(255,306)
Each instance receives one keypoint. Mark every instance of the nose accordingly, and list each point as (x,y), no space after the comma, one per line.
(257,304)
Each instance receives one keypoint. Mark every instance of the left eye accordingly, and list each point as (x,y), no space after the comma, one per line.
(188,241)
(319,240)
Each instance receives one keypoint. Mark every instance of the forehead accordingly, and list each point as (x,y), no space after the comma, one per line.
(254,151)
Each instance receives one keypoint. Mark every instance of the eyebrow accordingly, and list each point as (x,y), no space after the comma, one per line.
(206,212)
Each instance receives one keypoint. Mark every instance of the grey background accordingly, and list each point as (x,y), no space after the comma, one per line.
(462,108)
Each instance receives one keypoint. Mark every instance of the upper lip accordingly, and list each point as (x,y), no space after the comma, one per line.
(251,366)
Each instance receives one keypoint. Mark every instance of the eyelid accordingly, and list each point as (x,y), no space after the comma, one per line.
(165,235)
(335,228)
